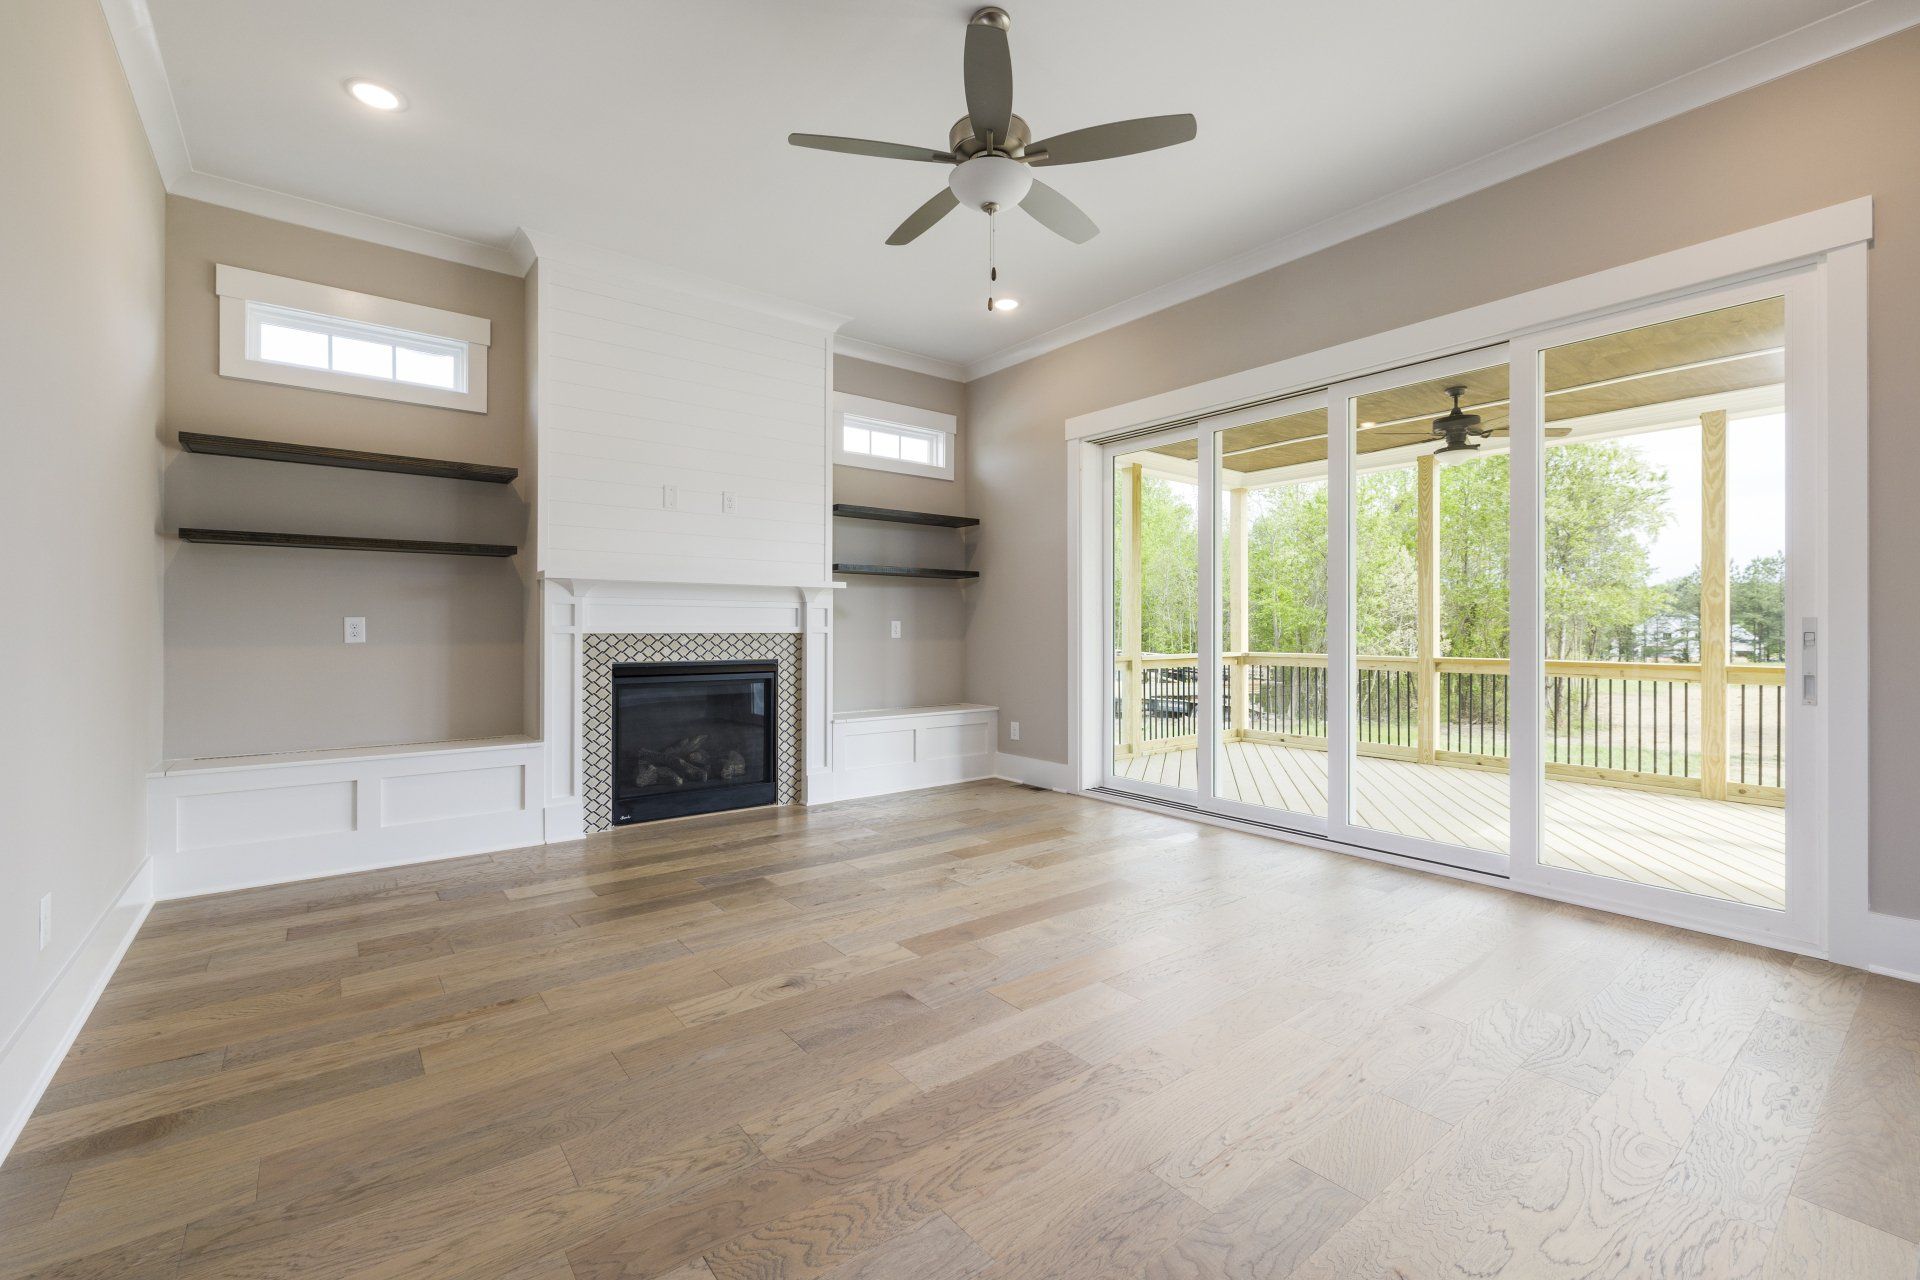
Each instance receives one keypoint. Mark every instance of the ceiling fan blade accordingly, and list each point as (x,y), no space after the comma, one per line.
(1105,141)
(867,147)
(1554,432)
(989,77)
(924,217)
(1058,214)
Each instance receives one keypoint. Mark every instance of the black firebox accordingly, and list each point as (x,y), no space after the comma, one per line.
(692,737)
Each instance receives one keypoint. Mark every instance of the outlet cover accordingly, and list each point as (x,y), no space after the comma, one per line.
(669,497)
(896,630)
(356,630)
(726,504)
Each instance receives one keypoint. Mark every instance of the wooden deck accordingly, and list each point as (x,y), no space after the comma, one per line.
(1722,850)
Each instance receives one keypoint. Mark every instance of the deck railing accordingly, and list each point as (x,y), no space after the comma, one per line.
(1631,724)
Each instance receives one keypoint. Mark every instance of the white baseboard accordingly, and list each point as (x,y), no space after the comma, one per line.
(564,821)
(1893,942)
(1050,774)
(878,753)
(217,826)
(27,1063)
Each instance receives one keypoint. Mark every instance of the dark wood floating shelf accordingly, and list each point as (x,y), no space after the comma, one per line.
(328,541)
(314,455)
(889,514)
(899,571)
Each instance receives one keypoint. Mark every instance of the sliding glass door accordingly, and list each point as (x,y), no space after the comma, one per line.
(1665,462)
(1269,653)
(1420,474)
(1153,571)
(1532,610)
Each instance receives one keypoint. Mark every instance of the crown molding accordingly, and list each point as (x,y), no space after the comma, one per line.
(912,361)
(131,25)
(319,216)
(1814,43)
(543,246)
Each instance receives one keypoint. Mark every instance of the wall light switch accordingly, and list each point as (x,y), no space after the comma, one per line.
(1013,730)
(356,630)
(46,920)
(896,630)
(669,497)
(726,504)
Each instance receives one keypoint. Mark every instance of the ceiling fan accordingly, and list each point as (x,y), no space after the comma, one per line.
(992,150)
(1460,429)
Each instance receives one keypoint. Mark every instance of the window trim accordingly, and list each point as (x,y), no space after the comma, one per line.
(902,415)
(347,310)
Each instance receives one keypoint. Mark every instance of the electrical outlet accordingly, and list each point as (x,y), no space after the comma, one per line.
(1013,730)
(726,504)
(669,497)
(896,630)
(46,920)
(356,630)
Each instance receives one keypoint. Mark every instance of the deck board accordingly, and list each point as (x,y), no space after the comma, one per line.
(1715,848)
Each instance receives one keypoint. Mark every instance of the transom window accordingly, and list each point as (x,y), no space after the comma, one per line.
(299,334)
(282,335)
(893,437)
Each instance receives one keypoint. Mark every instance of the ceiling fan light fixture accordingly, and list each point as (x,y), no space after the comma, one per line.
(1006,304)
(990,180)
(377,96)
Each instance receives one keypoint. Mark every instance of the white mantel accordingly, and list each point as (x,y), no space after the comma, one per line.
(573,608)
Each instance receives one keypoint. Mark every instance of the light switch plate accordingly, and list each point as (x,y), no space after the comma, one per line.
(356,630)
(669,497)
(1013,730)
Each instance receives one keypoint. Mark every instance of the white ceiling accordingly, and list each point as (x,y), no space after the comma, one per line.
(660,129)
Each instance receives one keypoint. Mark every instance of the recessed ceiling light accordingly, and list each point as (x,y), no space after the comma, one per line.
(377,96)
(1005,304)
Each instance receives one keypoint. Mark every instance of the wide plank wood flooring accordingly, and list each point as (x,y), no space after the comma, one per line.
(985,1032)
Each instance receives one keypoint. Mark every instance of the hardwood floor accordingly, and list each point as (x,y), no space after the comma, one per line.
(978,1032)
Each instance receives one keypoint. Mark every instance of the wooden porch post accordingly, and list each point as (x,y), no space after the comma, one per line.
(1130,608)
(1427,585)
(1237,611)
(1715,621)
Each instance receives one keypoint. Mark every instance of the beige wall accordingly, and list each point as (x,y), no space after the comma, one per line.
(254,656)
(926,666)
(1827,134)
(81,224)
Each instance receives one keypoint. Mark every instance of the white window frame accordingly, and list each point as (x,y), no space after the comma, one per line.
(249,297)
(944,425)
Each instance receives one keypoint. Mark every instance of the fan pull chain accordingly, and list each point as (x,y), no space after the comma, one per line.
(993,270)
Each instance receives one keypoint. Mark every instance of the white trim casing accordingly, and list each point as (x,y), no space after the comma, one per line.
(1764,250)
(28,1061)
(213,826)
(237,287)
(878,753)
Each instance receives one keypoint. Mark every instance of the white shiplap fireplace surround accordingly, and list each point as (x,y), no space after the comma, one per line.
(681,446)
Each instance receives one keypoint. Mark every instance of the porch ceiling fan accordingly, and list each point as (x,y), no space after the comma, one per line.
(1459,428)
(992,151)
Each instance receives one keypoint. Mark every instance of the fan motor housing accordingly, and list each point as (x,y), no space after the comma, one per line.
(962,143)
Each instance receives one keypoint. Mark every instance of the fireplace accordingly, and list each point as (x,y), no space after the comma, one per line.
(692,737)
